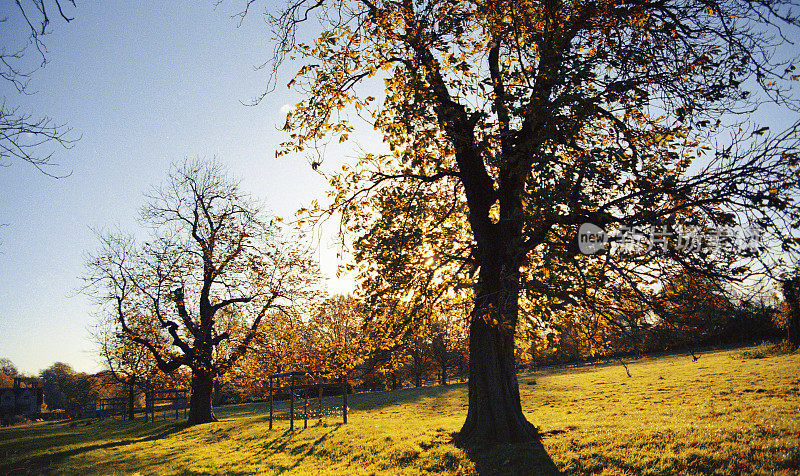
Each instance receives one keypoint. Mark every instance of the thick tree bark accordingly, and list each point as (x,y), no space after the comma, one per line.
(200,405)
(495,412)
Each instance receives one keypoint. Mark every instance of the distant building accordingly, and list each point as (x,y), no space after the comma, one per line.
(24,398)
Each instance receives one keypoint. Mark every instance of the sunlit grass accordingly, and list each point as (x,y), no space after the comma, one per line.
(723,414)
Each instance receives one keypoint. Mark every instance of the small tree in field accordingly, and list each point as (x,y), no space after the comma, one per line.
(337,332)
(66,389)
(7,372)
(129,364)
(196,293)
(692,309)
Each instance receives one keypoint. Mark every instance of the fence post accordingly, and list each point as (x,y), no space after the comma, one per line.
(319,398)
(344,399)
(291,406)
(270,402)
(147,398)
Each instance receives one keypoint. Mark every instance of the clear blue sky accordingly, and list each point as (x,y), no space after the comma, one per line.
(143,84)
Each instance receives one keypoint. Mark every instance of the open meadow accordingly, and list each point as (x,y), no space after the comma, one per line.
(730,412)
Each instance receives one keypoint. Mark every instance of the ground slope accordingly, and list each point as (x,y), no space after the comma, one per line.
(723,414)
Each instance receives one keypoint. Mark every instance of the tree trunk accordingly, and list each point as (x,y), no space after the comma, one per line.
(794,329)
(791,293)
(443,375)
(200,407)
(495,412)
(131,398)
(216,394)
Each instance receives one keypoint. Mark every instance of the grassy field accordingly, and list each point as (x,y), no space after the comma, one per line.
(730,412)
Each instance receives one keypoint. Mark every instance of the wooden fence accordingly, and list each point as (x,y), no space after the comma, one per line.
(304,385)
(166,401)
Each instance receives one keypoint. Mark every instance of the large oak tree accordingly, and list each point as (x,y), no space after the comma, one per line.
(511,123)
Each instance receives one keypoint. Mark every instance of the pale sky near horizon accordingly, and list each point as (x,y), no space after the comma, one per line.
(143,86)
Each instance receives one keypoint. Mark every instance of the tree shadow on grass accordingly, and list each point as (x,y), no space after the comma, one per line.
(366,401)
(50,462)
(310,448)
(529,458)
(281,442)
(360,401)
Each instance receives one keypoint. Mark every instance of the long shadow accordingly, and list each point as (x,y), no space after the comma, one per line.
(309,450)
(50,462)
(356,401)
(389,398)
(279,445)
(529,458)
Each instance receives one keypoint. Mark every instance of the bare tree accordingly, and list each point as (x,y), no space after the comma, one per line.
(128,363)
(196,292)
(22,135)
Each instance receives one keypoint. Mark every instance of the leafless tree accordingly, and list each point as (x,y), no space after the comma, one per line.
(22,135)
(196,292)
(128,364)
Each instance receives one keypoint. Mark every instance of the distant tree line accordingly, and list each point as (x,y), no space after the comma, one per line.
(340,335)
(692,312)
